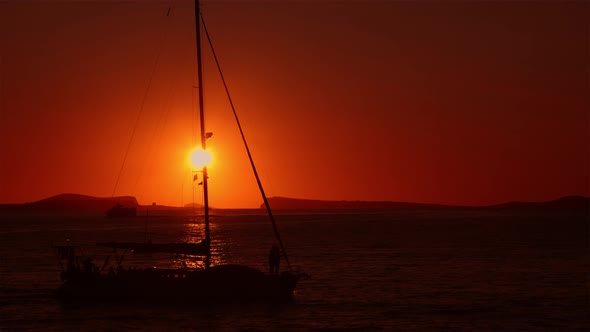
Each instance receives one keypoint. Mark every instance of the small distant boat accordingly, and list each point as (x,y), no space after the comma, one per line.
(119,211)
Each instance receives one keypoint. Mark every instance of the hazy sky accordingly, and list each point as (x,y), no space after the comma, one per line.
(454,102)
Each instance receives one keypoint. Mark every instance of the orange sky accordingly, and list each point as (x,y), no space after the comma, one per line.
(455,103)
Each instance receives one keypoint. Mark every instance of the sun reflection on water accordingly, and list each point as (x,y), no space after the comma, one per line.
(194,232)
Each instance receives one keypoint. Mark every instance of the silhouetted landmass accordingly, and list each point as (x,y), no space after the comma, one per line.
(193,206)
(76,202)
(563,203)
(85,203)
(73,202)
(284,203)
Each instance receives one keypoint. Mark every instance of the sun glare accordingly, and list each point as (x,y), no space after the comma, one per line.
(200,158)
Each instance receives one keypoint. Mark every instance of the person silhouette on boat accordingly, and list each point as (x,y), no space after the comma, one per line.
(274,259)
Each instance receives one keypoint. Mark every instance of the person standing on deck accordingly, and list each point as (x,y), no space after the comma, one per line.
(274,259)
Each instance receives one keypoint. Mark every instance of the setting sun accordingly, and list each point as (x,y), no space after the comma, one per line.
(200,158)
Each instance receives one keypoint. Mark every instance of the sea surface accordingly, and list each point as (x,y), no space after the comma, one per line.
(464,270)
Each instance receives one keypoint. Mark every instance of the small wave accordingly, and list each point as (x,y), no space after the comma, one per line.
(347,329)
(7,294)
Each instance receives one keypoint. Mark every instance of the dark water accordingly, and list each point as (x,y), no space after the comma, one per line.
(377,271)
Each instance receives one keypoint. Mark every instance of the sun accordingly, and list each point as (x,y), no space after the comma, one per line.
(200,158)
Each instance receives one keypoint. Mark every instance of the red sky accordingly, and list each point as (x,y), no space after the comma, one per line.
(453,103)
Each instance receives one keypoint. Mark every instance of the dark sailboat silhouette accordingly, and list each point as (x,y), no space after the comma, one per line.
(83,280)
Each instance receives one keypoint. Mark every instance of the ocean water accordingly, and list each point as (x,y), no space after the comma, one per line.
(369,271)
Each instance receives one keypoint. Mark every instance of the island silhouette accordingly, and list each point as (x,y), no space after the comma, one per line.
(78,202)
(563,203)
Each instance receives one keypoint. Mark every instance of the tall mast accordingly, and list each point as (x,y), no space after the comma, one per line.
(203,134)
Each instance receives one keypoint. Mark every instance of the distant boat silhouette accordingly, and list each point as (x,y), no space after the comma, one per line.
(83,280)
(119,211)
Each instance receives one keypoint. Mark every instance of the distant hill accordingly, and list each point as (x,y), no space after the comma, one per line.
(563,203)
(73,202)
(193,206)
(76,202)
(284,203)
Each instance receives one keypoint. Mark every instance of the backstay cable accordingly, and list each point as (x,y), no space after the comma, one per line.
(270,215)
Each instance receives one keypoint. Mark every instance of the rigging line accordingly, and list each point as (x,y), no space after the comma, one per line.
(270,215)
(160,124)
(193,99)
(157,137)
(139,113)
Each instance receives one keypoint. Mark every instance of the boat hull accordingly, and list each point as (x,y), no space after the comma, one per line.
(219,282)
(199,248)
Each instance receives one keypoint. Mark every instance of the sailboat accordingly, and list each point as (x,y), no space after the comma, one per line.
(82,280)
